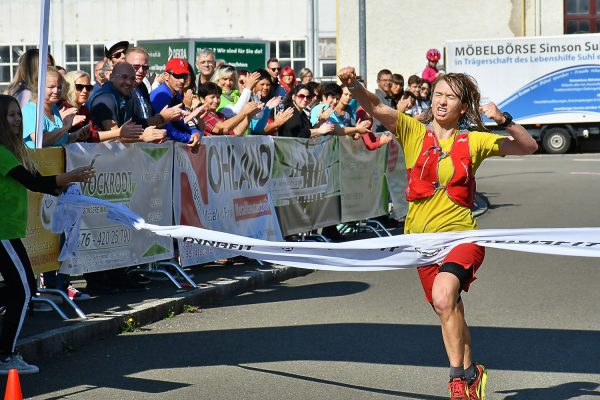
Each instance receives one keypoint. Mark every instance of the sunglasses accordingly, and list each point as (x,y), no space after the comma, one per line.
(179,76)
(275,69)
(79,87)
(118,54)
(138,66)
(304,96)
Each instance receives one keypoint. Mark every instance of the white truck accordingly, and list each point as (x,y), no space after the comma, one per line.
(549,84)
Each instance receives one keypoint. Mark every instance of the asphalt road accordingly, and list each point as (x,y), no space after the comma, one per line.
(534,319)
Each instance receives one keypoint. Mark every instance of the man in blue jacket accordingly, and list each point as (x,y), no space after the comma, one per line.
(168,94)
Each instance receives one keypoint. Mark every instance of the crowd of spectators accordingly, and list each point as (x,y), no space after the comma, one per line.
(182,104)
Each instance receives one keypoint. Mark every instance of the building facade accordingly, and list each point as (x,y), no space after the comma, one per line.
(301,32)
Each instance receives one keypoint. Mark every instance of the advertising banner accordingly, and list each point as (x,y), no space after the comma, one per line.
(553,79)
(42,245)
(160,52)
(248,55)
(136,175)
(224,188)
(396,180)
(364,194)
(305,185)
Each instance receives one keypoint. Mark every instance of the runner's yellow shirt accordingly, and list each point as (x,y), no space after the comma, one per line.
(438,213)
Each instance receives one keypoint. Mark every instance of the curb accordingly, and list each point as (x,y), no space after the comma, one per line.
(81,332)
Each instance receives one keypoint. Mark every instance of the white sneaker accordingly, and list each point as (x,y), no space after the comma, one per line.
(15,361)
(75,295)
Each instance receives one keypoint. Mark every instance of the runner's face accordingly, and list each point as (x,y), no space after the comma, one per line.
(14,118)
(446,106)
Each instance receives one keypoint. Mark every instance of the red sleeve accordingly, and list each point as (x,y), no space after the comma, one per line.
(371,141)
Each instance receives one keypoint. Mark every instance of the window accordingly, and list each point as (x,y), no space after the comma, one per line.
(327,54)
(83,57)
(290,53)
(9,61)
(582,16)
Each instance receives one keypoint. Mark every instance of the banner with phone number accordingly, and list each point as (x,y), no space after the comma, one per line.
(41,244)
(138,176)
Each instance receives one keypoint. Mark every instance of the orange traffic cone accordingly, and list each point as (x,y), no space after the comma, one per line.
(13,387)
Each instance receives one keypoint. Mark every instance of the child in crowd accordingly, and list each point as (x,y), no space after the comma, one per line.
(17,174)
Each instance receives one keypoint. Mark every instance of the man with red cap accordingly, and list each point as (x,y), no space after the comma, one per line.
(169,94)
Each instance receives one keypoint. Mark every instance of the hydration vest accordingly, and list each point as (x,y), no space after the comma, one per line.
(423,179)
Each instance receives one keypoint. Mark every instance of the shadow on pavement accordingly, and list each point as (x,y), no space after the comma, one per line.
(291,293)
(404,395)
(566,391)
(515,349)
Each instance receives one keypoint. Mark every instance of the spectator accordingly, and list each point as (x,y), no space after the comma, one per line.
(343,121)
(262,90)
(287,82)
(414,87)
(274,68)
(98,73)
(76,92)
(241,83)
(25,81)
(190,100)
(169,94)
(103,75)
(383,91)
(305,76)
(226,78)
(431,72)
(397,89)
(111,105)
(206,64)
(425,95)
(115,51)
(299,125)
(56,124)
(215,122)
(144,113)
(18,173)
(371,141)
(316,90)
(332,92)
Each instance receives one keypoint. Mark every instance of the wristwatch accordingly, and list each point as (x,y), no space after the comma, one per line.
(356,83)
(507,122)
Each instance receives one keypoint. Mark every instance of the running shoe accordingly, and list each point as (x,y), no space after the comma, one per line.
(477,388)
(459,389)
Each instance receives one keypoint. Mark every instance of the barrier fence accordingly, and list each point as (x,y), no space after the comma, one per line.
(259,186)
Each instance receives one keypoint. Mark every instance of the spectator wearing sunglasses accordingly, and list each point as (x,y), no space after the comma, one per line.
(143,111)
(110,107)
(170,94)
(299,125)
(115,51)
(76,91)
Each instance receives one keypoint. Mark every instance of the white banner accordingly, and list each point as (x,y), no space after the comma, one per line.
(224,188)
(378,254)
(136,175)
(362,176)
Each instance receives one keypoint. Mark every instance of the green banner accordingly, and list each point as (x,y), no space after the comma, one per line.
(240,54)
(163,51)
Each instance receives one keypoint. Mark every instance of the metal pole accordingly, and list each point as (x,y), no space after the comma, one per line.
(310,43)
(42,62)
(362,39)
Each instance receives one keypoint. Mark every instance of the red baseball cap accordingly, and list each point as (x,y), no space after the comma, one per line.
(177,66)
